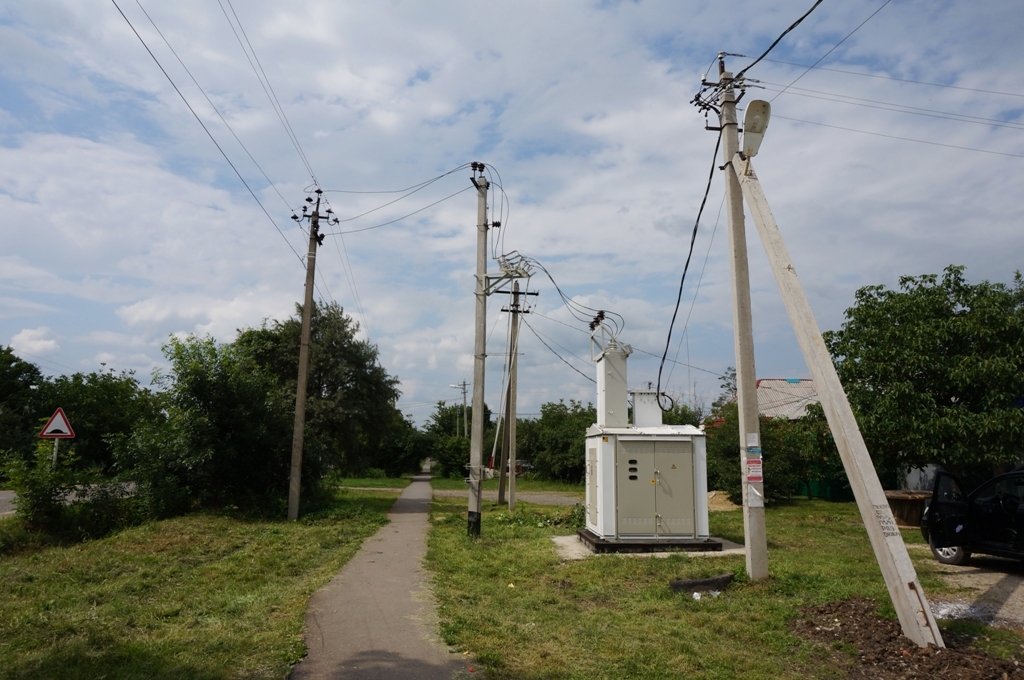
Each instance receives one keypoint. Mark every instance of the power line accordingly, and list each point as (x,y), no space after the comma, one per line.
(890,106)
(900,80)
(777,40)
(905,139)
(205,129)
(556,353)
(693,302)
(399,219)
(418,187)
(836,46)
(635,348)
(213,106)
(689,254)
(268,89)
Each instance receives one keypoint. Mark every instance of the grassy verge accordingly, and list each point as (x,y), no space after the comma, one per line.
(509,600)
(374,482)
(522,484)
(197,597)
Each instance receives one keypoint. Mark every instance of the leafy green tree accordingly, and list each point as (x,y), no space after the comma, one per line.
(935,371)
(226,439)
(561,435)
(350,408)
(783,442)
(449,453)
(18,408)
(99,405)
(682,414)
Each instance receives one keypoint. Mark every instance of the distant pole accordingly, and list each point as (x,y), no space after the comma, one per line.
(746,381)
(295,478)
(465,429)
(476,442)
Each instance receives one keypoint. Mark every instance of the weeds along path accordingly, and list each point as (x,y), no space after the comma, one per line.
(375,618)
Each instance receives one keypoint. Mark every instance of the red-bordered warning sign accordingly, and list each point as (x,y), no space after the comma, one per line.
(58,427)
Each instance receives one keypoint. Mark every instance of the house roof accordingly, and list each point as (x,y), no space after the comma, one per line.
(785,397)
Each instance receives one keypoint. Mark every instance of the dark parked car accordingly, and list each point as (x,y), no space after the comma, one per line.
(988,520)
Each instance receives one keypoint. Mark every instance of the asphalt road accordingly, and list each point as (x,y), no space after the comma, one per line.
(6,503)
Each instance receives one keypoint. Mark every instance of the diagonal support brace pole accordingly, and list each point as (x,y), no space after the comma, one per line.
(908,597)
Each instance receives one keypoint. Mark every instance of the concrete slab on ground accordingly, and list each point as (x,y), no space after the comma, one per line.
(572,548)
(376,618)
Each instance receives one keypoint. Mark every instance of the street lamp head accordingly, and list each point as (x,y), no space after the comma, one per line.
(755,122)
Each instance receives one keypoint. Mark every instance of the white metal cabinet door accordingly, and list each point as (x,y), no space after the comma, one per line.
(634,493)
(674,501)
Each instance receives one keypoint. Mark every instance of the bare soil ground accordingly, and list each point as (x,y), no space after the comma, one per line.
(990,591)
(864,645)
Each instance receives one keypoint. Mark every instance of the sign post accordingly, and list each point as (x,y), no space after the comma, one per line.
(57,427)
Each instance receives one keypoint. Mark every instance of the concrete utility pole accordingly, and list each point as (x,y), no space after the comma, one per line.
(754,533)
(295,478)
(508,450)
(908,597)
(476,441)
(465,427)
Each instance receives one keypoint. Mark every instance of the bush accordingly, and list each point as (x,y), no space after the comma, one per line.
(450,456)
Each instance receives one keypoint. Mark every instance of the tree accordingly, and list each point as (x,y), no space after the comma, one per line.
(18,381)
(99,405)
(935,371)
(350,408)
(561,435)
(449,452)
(226,438)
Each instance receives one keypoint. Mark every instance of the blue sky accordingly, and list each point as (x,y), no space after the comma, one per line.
(122,224)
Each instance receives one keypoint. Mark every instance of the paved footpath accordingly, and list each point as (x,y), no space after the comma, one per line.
(375,619)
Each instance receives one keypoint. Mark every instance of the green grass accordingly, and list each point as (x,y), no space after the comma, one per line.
(522,484)
(374,482)
(197,597)
(615,617)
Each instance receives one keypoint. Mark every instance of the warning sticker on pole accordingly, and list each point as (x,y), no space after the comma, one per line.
(754,471)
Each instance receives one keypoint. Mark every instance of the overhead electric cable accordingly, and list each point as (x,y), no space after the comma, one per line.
(890,106)
(556,353)
(208,134)
(399,191)
(905,139)
(398,219)
(693,302)
(900,80)
(777,40)
(213,106)
(836,46)
(635,348)
(268,89)
(689,254)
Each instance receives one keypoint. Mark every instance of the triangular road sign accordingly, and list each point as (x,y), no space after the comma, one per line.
(58,427)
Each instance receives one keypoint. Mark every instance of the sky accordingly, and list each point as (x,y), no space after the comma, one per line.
(123,224)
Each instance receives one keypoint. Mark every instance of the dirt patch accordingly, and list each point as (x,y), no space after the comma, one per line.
(719,500)
(866,646)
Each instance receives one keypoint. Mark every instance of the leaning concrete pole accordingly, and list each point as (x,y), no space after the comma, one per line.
(754,533)
(295,476)
(900,577)
(476,441)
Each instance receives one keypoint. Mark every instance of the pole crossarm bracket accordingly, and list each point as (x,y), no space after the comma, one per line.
(493,282)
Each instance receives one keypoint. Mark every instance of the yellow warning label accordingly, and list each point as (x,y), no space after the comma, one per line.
(653,482)
(673,467)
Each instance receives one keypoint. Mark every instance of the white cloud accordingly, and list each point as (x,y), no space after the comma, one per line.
(35,341)
(122,224)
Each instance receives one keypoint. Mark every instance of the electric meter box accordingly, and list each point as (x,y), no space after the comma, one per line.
(646,482)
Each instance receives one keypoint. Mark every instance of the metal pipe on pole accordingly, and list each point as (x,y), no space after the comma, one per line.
(295,477)
(908,597)
(755,536)
(476,442)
